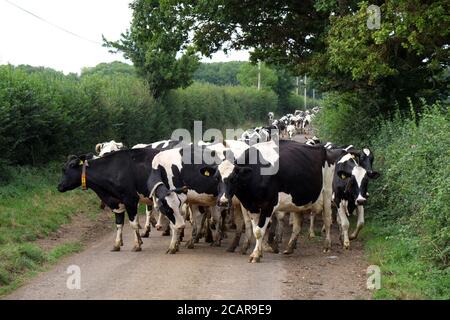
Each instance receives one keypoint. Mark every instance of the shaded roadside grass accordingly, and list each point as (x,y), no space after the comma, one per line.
(30,209)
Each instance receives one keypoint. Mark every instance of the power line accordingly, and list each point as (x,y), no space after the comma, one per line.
(52,24)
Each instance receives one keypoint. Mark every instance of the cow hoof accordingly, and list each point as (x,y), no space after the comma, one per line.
(352,237)
(115,249)
(166,233)
(121,243)
(145,234)
(171,251)
(346,245)
(231,249)
(190,244)
(136,249)
(312,235)
(288,251)
(255,259)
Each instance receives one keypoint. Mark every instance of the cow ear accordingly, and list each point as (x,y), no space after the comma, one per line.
(373,174)
(343,175)
(208,171)
(98,147)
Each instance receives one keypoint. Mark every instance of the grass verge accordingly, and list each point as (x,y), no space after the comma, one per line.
(405,274)
(30,209)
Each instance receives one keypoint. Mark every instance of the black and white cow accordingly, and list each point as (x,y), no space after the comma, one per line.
(312,141)
(119,179)
(350,185)
(106,147)
(270,117)
(149,212)
(177,179)
(302,182)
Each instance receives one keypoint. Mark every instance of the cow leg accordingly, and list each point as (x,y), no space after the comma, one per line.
(148,216)
(312,235)
(344,225)
(259,223)
(296,228)
(175,241)
(276,231)
(135,226)
(327,219)
(120,219)
(359,224)
(238,220)
(196,221)
(216,226)
(248,231)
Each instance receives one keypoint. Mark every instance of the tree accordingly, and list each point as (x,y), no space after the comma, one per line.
(329,40)
(248,76)
(158,45)
(110,69)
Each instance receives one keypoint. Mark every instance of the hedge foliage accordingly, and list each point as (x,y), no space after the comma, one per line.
(45,115)
(409,206)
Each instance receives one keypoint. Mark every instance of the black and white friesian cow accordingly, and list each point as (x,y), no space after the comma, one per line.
(119,179)
(111,146)
(350,185)
(302,182)
(177,179)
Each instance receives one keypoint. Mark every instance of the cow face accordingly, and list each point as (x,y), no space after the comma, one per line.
(71,172)
(366,161)
(229,176)
(354,177)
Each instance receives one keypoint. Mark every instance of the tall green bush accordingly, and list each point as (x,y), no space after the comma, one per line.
(45,115)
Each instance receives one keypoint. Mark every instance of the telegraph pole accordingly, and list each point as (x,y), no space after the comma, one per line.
(298,81)
(305,91)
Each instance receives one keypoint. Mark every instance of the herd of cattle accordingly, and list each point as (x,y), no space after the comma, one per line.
(251,185)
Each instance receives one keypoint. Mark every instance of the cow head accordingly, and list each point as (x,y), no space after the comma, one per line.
(366,161)
(71,172)
(229,176)
(354,177)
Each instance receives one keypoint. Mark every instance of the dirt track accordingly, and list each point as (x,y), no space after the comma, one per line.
(205,272)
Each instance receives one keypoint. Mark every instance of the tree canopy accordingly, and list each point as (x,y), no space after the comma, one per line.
(405,57)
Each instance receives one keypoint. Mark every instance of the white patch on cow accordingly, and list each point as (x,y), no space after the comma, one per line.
(366,151)
(119,232)
(175,201)
(225,169)
(291,130)
(165,143)
(285,203)
(349,147)
(121,208)
(360,198)
(108,147)
(202,199)
(327,145)
(346,158)
(359,173)
(135,223)
(140,146)
(167,159)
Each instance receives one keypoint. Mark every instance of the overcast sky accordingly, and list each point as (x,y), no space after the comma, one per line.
(24,39)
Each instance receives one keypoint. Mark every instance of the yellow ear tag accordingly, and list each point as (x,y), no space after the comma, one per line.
(206,173)
(81,162)
(343,177)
